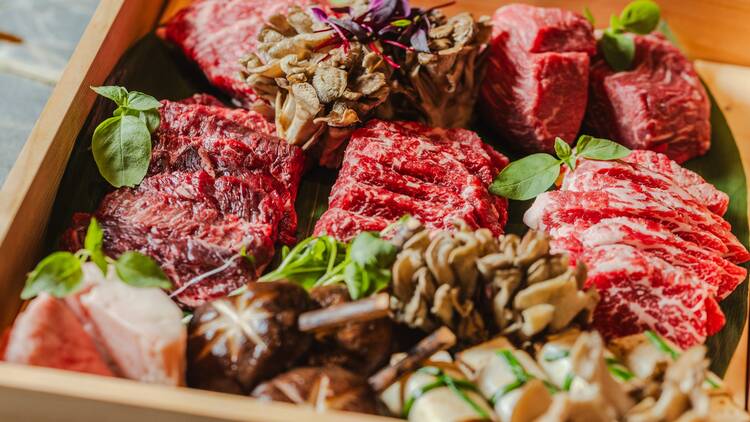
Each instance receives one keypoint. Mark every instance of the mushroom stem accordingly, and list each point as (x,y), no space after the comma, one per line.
(374,307)
(441,339)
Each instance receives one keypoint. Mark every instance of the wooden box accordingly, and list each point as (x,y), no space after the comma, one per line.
(715,30)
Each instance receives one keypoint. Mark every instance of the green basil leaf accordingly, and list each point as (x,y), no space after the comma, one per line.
(142,102)
(59,274)
(526,178)
(618,49)
(117,94)
(122,150)
(562,149)
(369,250)
(139,270)
(589,16)
(94,244)
(602,149)
(640,16)
(615,24)
(151,118)
(353,277)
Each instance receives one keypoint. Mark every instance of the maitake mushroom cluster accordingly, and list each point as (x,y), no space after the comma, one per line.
(319,83)
(439,278)
(316,90)
(440,87)
(532,290)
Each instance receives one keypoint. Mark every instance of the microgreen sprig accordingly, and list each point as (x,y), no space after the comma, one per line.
(364,264)
(391,22)
(528,177)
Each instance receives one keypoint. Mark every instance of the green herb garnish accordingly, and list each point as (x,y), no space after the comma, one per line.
(363,264)
(139,270)
(660,344)
(568,382)
(617,46)
(122,144)
(457,386)
(528,177)
(61,274)
(617,369)
(556,355)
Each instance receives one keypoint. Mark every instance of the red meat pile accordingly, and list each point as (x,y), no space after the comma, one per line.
(654,240)
(539,85)
(436,175)
(217,183)
(216,34)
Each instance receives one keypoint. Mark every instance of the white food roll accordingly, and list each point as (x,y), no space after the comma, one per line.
(554,358)
(509,378)
(425,396)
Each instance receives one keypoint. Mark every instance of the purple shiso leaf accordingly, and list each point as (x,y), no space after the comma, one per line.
(419,41)
(382,11)
(406,7)
(350,26)
(319,14)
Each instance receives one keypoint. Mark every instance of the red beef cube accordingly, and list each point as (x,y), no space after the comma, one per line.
(537,77)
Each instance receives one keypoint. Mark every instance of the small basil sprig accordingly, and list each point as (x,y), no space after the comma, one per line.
(122,144)
(528,177)
(618,48)
(364,264)
(61,273)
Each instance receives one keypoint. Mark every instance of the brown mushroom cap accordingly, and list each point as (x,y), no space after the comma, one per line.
(323,388)
(236,342)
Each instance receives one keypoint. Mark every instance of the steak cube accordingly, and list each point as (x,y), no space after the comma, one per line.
(437,175)
(660,105)
(537,76)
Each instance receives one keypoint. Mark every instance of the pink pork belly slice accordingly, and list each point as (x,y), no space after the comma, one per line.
(140,328)
(48,334)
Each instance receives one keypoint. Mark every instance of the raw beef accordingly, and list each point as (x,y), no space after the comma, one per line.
(192,223)
(660,105)
(554,209)
(720,275)
(394,168)
(652,236)
(640,292)
(714,199)
(653,197)
(229,142)
(47,333)
(537,77)
(216,34)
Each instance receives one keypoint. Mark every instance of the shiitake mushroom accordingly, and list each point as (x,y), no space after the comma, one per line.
(236,342)
(323,388)
(359,346)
